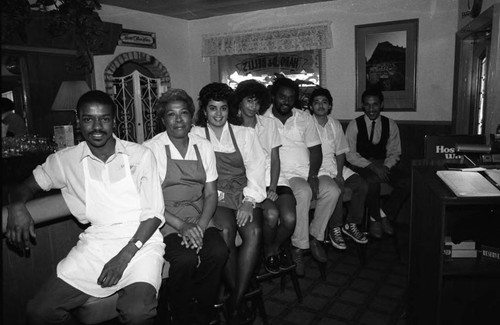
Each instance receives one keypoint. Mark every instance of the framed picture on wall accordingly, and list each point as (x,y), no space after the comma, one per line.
(386,59)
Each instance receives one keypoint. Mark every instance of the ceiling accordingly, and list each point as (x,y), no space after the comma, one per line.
(198,9)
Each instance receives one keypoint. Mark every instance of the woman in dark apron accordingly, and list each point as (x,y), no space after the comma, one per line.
(241,185)
(194,247)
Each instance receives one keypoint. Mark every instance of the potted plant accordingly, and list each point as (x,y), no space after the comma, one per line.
(60,17)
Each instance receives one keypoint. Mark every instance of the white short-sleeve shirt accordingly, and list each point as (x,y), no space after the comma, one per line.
(333,143)
(252,153)
(269,138)
(157,145)
(64,170)
(297,135)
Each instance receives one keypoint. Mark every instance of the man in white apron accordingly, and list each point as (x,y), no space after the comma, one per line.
(301,158)
(334,146)
(114,186)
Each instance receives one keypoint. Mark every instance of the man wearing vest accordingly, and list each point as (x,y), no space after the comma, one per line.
(375,152)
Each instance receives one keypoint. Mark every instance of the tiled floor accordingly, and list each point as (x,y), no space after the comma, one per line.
(352,293)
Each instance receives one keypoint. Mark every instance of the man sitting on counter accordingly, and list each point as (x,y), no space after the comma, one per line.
(122,249)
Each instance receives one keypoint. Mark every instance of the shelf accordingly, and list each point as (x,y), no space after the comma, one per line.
(471,267)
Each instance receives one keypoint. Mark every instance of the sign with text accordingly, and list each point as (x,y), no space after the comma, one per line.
(258,64)
(444,147)
(303,66)
(136,38)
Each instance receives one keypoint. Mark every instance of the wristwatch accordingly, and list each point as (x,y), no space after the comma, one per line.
(252,201)
(137,243)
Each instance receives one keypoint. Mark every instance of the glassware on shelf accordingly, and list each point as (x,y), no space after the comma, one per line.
(26,145)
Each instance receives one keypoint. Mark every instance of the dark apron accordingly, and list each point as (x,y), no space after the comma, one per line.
(183,189)
(232,174)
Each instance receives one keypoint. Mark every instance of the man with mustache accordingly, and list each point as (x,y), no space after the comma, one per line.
(375,152)
(113,185)
(334,146)
(301,159)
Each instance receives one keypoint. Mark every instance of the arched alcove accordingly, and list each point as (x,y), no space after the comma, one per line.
(145,60)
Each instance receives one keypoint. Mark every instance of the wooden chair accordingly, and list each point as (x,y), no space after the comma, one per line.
(289,271)
(360,248)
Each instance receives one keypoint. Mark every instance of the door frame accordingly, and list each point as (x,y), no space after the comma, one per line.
(464,82)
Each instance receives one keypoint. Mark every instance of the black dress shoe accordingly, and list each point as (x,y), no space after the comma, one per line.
(298,259)
(318,251)
(272,264)
(284,259)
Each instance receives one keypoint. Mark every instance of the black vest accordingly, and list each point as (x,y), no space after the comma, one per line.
(363,145)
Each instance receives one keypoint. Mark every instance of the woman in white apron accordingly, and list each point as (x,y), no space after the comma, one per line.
(194,247)
(279,206)
(241,185)
(122,250)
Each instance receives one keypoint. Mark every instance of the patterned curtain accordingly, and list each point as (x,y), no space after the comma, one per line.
(277,39)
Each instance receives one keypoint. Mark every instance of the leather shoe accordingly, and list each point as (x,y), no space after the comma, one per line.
(318,251)
(284,259)
(376,229)
(298,259)
(387,227)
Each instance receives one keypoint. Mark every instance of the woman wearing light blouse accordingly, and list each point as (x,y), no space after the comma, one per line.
(240,162)
(279,207)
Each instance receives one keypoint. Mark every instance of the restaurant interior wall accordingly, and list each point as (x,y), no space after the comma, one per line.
(172,48)
(435,57)
(179,46)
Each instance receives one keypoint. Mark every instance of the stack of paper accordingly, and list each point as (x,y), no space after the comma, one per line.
(494,174)
(468,183)
(464,249)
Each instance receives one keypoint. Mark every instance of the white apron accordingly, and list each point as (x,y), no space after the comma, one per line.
(294,154)
(113,210)
(329,164)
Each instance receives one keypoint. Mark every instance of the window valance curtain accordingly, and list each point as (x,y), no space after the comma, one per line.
(277,39)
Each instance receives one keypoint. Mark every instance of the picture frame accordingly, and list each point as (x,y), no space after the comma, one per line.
(386,59)
(137,38)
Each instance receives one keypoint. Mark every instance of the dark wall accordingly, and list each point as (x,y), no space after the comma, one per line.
(46,72)
(412,135)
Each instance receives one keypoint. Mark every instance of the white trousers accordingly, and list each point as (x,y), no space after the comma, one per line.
(329,193)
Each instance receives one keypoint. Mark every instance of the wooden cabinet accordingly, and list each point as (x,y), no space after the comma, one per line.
(461,291)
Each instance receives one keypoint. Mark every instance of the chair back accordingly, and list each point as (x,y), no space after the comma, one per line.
(443,146)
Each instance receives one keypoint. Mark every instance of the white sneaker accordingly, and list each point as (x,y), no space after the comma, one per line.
(352,231)
(336,238)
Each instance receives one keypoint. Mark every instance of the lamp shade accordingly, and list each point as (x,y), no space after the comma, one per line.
(68,95)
